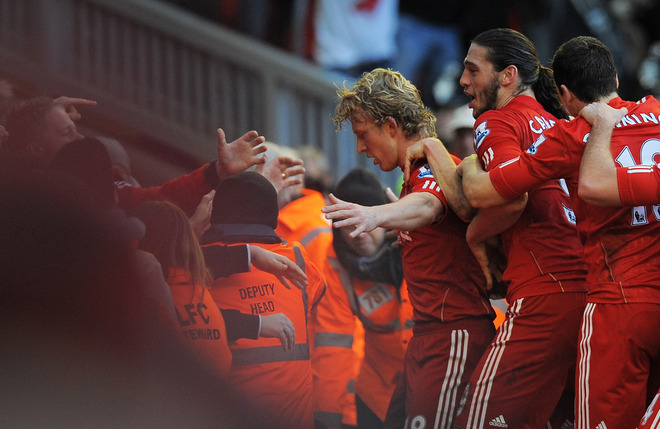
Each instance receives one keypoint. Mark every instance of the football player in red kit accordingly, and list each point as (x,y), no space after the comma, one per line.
(619,348)
(447,289)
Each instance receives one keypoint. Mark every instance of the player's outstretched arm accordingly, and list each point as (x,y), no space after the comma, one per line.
(409,213)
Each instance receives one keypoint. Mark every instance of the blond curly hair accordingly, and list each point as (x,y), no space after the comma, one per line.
(383,93)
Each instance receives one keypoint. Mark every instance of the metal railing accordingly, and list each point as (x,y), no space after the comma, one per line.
(172,76)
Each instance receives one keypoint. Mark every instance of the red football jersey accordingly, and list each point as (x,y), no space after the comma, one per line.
(543,251)
(445,282)
(620,243)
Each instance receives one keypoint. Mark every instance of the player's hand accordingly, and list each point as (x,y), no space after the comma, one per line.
(497,266)
(364,219)
(602,113)
(469,165)
(201,219)
(414,152)
(279,326)
(468,170)
(279,265)
(240,154)
(481,254)
(70,103)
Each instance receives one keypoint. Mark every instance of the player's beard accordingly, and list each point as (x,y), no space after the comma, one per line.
(489,97)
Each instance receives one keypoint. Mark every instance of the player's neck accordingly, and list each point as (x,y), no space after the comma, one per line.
(506,97)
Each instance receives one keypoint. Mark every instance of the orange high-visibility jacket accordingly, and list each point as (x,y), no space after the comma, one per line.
(280,381)
(200,321)
(302,220)
(386,315)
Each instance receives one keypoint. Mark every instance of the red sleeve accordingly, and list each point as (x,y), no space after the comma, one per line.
(185,191)
(498,147)
(512,179)
(553,155)
(639,185)
(422,180)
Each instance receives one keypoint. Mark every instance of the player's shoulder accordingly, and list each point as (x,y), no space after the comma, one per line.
(648,102)
(493,125)
(496,119)
(420,170)
(494,115)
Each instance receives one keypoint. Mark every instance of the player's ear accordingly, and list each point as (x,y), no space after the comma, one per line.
(565,95)
(391,125)
(508,75)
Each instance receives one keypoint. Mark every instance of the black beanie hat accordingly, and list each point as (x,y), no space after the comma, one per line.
(361,186)
(88,160)
(245,198)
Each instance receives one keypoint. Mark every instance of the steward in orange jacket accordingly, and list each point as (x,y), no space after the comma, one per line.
(302,220)
(200,321)
(364,279)
(279,379)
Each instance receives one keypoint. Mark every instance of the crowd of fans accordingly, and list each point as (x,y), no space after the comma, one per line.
(335,36)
